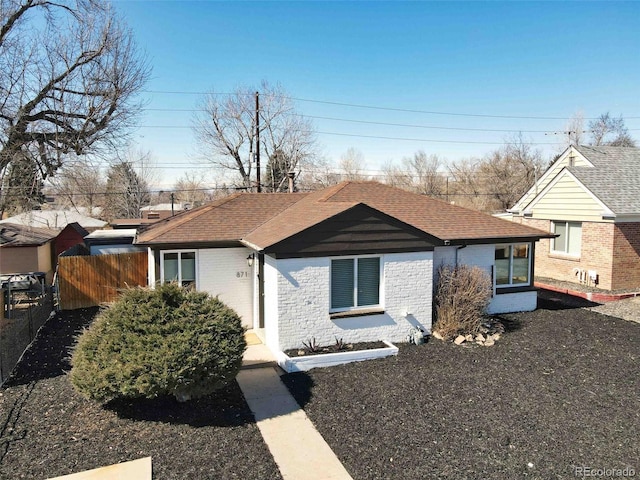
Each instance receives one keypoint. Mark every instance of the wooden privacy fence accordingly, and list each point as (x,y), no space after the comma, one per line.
(90,281)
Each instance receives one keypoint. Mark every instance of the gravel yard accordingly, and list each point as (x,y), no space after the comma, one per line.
(557,392)
(47,429)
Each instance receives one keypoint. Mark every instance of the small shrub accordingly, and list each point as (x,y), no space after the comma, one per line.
(312,345)
(340,344)
(151,343)
(462,297)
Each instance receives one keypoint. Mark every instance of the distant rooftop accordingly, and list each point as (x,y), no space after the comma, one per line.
(54,219)
(119,233)
(13,235)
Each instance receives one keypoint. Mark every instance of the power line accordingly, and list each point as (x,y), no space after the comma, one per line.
(369,122)
(428,140)
(377,107)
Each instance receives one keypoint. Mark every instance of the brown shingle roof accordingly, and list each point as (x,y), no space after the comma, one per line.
(225,220)
(261,220)
(13,235)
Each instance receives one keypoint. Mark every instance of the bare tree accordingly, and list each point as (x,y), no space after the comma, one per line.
(497,181)
(69,73)
(322,175)
(575,130)
(226,129)
(466,188)
(352,165)
(608,130)
(79,184)
(419,173)
(191,188)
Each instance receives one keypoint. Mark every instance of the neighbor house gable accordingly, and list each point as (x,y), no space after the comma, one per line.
(575,200)
(570,157)
(610,174)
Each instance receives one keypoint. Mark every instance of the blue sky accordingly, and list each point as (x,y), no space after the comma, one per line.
(472,63)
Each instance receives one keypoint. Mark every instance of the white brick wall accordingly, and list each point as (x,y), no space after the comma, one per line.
(483,256)
(514,302)
(303,301)
(224,272)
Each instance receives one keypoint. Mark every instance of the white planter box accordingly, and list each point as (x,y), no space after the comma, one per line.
(307,362)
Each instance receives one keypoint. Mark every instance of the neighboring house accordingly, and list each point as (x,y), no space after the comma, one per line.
(70,236)
(163,210)
(590,198)
(356,261)
(128,223)
(26,249)
(55,219)
(104,242)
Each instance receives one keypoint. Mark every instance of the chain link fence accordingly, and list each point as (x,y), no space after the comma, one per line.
(21,315)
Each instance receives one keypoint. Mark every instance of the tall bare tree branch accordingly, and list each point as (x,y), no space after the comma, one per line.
(226,132)
(69,75)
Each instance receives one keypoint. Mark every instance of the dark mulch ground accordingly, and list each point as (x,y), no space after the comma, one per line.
(47,429)
(560,389)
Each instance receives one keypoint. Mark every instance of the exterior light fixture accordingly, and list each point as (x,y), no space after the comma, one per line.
(250,259)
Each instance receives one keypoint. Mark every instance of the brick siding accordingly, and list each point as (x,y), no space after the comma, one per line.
(626,256)
(302,296)
(612,250)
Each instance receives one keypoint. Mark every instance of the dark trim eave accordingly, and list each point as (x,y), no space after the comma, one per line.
(494,240)
(381,251)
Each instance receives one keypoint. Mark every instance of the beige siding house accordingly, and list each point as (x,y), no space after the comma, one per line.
(590,199)
(26,249)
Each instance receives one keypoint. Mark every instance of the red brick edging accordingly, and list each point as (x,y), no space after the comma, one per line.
(592,296)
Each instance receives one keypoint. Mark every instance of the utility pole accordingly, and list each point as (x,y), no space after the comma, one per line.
(173,199)
(259,188)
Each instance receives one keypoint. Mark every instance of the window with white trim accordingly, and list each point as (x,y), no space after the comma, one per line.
(355,283)
(570,238)
(513,265)
(179,266)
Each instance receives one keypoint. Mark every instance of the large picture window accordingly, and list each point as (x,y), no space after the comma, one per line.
(570,238)
(179,267)
(513,265)
(355,283)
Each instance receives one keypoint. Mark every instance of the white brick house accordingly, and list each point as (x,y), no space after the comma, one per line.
(356,261)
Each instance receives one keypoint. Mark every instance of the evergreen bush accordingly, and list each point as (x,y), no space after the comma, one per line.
(157,342)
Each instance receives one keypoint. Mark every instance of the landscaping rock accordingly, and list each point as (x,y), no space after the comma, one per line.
(459,340)
(489,342)
(469,338)
(437,335)
(480,338)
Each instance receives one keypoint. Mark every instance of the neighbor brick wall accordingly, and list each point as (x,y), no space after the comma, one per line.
(303,301)
(626,256)
(595,254)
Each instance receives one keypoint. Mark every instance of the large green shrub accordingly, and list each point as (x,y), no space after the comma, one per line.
(462,296)
(156,342)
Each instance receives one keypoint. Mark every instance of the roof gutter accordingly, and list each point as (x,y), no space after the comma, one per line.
(251,245)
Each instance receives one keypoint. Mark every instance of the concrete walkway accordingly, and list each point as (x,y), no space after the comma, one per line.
(297,448)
